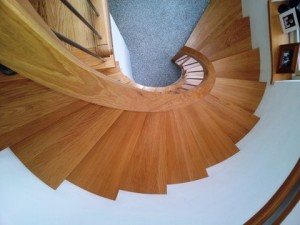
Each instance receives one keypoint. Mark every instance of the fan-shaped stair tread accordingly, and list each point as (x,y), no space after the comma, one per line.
(5,78)
(53,153)
(234,120)
(12,137)
(184,160)
(23,101)
(243,66)
(235,39)
(213,143)
(243,93)
(147,169)
(218,16)
(101,171)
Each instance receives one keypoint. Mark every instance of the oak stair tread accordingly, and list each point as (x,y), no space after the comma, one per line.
(20,133)
(243,66)
(235,39)
(146,171)
(243,93)
(101,171)
(53,153)
(23,101)
(234,120)
(213,143)
(217,17)
(184,160)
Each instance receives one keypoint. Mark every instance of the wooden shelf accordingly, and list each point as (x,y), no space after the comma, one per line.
(277,37)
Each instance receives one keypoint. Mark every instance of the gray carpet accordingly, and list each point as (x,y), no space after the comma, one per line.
(154,31)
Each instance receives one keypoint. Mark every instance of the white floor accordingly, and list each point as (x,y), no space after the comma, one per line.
(235,190)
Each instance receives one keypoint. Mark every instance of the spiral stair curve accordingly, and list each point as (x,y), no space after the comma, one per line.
(104,149)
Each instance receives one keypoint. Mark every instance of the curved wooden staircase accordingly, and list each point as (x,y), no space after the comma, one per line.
(104,150)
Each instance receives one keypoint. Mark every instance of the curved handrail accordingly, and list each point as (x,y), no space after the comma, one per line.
(178,86)
(29,47)
(275,202)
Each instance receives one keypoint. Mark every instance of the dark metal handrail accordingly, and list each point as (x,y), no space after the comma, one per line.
(69,6)
(93,8)
(76,45)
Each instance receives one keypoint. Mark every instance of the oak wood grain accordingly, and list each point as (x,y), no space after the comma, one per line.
(184,160)
(53,153)
(243,66)
(101,171)
(234,120)
(244,93)
(218,16)
(146,171)
(23,101)
(213,143)
(235,39)
(38,124)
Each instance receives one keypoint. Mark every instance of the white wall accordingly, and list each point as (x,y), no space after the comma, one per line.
(121,52)
(234,191)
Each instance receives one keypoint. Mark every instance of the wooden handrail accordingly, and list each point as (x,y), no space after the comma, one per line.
(276,201)
(29,47)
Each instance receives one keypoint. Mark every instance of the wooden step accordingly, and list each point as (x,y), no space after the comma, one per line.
(243,93)
(184,160)
(53,153)
(234,40)
(213,143)
(234,120)
(243,66)
(147,169)
(101,171)
(218,16)
(23,101)
(20,133)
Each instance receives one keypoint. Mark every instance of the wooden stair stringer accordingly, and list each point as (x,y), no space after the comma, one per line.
(53,153)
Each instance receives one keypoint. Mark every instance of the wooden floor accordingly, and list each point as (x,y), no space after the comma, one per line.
(104,150)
